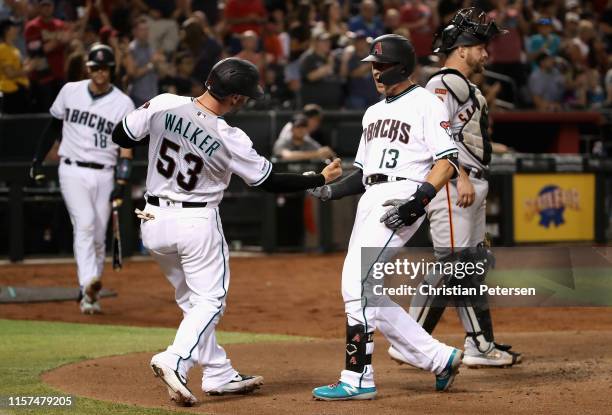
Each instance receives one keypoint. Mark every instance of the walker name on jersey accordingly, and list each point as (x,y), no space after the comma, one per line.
(89,119)
(388,128)
(175,124)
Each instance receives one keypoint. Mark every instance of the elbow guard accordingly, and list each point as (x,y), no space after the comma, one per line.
(123,169)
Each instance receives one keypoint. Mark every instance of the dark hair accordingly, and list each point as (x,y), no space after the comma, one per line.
(194,36)
(312,110)
(299,120)
(5,25)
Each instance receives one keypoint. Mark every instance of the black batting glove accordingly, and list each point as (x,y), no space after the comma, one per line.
(116,196)
(405,212)
(37,173)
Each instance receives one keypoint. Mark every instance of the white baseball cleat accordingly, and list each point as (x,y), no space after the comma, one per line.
(495,357)
(176,384)
(89,302)
(239,384)
(88,306)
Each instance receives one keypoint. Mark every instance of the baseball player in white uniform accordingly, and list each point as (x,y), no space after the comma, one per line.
(457,214)
(90,174)
(405,155)
(192,154)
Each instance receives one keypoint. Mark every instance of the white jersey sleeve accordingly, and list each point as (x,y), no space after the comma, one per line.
(437,87)
(245,162)
(137,123)
(58,109)
(437,130)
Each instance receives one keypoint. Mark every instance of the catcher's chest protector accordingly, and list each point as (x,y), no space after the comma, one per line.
(473,114)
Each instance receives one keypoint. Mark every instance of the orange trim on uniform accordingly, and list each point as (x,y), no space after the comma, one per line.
(450,218)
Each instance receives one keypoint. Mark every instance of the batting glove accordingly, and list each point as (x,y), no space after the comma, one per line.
(116,196)
(323,192)
(405,212)
(36,173)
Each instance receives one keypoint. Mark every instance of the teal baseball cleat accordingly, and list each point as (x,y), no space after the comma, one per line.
(445,379)
(341,391)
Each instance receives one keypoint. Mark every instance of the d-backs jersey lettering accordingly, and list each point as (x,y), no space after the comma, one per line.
(403,135)
(89,122)
(192,153)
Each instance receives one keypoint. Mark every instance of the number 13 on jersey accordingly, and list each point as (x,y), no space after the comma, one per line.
(389,158)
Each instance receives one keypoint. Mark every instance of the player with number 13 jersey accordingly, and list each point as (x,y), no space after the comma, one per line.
(402,143)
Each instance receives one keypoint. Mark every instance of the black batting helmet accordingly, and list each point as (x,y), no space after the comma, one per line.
(100,55)
(234,76)
(469,27)
(393,49)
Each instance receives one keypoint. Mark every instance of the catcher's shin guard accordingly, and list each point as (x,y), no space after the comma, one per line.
(357,354)
(475,316)
(427,310)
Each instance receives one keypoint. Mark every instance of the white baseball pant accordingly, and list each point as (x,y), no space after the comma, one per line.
(86,193)
(408,337)
(189,245)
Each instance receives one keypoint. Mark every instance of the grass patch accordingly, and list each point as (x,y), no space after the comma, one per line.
(28,348)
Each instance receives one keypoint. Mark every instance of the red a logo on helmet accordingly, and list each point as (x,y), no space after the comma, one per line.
(378,48)
(100,55)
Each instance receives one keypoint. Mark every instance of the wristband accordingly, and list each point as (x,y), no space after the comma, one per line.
(123,170)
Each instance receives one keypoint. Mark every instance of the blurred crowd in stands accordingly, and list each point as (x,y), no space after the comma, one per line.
(555,56)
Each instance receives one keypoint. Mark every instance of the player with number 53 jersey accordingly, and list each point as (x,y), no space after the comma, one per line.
(193,153)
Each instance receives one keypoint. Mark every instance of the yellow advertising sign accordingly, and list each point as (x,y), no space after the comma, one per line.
(554,207)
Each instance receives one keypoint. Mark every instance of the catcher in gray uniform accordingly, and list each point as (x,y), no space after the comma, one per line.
(457,214)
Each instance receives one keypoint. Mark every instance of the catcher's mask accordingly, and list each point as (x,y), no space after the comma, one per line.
(469,27)
(393,49)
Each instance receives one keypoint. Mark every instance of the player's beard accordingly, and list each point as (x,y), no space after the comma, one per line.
(476,65)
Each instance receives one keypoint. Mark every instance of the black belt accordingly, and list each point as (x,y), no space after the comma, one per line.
(154,200)
(381,178)
(85,164)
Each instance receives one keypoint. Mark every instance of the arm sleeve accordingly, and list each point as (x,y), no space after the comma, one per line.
(291,182)
(47,138)
(437,131)
(122,139)
(352,184)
